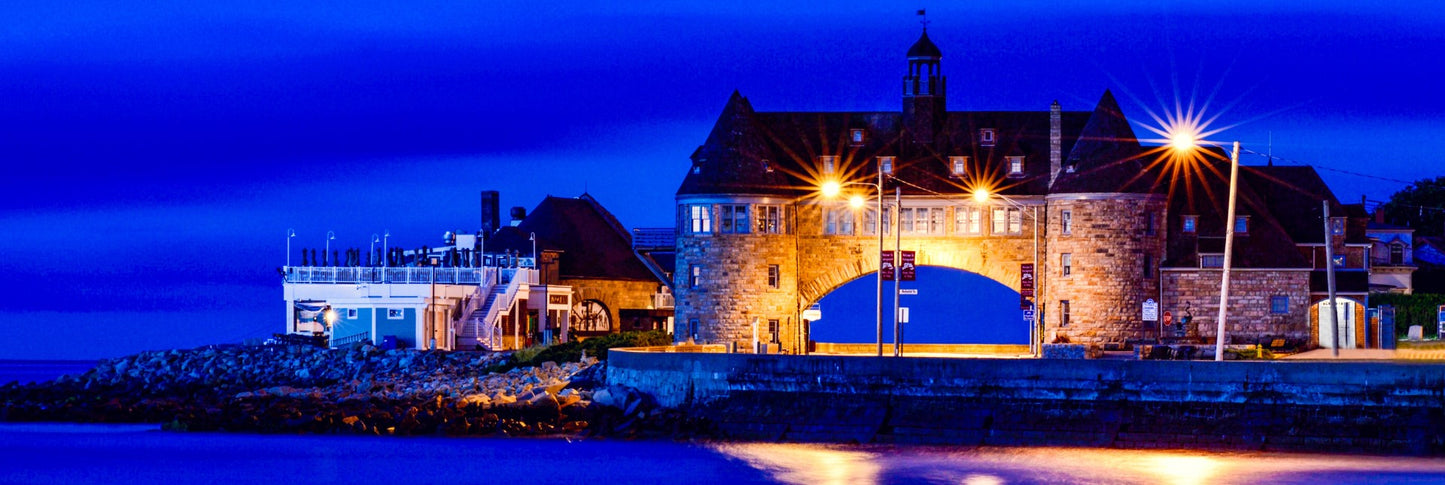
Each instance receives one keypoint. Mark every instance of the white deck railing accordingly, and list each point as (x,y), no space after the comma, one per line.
(408,275)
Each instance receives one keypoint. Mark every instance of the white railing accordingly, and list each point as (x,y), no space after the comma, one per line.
(515,280)
(474,303)
(661,301)
(406,275)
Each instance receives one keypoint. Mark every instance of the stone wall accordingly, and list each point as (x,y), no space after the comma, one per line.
(1106,287)
(734,288)
(616,295)
(1196,291)
(1374,407)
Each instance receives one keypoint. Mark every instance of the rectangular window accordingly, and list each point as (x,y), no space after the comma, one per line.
(966,220)
(1211,261)
(774,276)
(1015,221)
(870,221)
(732,218)
(774,329)
(1066,263)
(829,164)
(769,219)
(1066,222)
(1279,304)
(1397,254)
(1007,220)
(935,220)
(999,220)
(958,166)
(692,328)
(839,221)
(986,137)
(905,219)
(1190,222)
(1015,166)
(885,165)
(1148,266)
(1241,224)
(694,275)
(855,136)
(1063,313)
(351,313)
(1337,226)
(1149,224)
(699,218)
(395,314)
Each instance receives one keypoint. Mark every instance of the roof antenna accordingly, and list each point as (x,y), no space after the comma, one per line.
(922,12)
(1269,157)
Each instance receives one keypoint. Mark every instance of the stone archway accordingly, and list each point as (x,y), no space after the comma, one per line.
(824,269)
(951,307)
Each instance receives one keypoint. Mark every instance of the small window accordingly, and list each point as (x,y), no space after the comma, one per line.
(774,276)
(1190,223)
(773,331)
(1015,166)
(855,136)
(732,219)
(692,328)
(870,221)
(351,313)
(958,166)
(1337,226)
(1211,261)
(395,313)
(769,219)
(699,218)
(967,220)
(696,169)
(1397,253)
(838,221)
(885,165)
(1279,304)
(986,137)
(694,276)
(1063,313)
(1339,260)
(1149,229)
(1241,224)
(1066,221)
(829,164)
(905,219)
(1066,263)
(1148,266)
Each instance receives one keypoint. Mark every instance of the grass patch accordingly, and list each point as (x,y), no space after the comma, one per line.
(594,347)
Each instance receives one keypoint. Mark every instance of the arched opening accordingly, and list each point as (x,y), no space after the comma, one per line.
(1345,309)
(952,306)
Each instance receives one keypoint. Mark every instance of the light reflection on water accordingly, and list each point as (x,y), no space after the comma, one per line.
(834,464)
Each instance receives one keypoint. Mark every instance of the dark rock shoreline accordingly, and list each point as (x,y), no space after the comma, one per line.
(361,390)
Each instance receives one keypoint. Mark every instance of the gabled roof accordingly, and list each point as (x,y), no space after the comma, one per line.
(1299,192)
(593,243)
(1106,157)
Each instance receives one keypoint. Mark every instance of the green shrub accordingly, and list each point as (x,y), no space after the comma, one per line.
(594,347)
(1417,309)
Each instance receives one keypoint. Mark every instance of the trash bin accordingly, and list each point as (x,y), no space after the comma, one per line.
(388,342)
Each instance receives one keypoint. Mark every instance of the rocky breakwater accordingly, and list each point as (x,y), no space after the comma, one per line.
(357,390)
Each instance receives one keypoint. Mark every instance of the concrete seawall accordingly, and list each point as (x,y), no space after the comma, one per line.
(1370,407)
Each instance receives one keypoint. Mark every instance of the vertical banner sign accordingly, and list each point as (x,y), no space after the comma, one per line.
(887,265)
(1026,286)
(1441,321)
(905,266)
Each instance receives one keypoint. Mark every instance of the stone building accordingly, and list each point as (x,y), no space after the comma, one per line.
(1108,223)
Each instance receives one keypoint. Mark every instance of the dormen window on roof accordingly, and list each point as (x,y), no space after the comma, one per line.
(855,136)
(885,165)
(986,137)
(958,165)
(829,164)
(1015,166)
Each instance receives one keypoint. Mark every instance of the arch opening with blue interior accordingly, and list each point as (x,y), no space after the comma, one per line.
(953,306)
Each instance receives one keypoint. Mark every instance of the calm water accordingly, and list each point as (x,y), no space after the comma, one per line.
(27,371)
(62,453)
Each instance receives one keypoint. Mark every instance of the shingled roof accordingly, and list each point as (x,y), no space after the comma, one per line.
(594,244)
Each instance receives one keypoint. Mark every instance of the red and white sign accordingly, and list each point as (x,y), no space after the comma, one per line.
(886,266)
(905,266)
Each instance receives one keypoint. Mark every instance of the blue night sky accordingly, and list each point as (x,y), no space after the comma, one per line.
(156,152)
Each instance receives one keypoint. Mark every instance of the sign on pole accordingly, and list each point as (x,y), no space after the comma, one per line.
(1151,310)
(1028,316)
(905,266)
(887,265)
(1026,286)
(813,313)
(908,291)
(903,314)
(1441,320)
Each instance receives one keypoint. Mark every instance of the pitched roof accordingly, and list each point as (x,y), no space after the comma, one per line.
(1106,157)
(924,48)
(594,244)
(1299,192)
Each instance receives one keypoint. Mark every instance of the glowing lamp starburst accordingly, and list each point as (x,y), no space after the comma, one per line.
(831,189)
(856,201)
(980,196)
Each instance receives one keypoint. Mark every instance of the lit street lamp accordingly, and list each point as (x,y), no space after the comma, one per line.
(1186,139)
(371,251)
(830,189)
(982,197)
(329,236)
(385,234)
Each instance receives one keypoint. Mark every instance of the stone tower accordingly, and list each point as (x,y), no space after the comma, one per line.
(924,90)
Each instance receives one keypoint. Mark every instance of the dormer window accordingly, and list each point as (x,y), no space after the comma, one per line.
(1191,223)
(1015,166)
(829,163)
(1071,165)
(697,169)
(767,166)
(986,137)
(958,166)
(1241,224)
(855,136)
(1337,226)
(885,165)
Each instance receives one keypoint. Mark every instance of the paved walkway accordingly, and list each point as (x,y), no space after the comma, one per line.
(1371,354)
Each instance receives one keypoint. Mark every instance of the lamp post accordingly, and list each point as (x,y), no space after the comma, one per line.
(371,251)
(385,234)
(329,236)
(1186,139)
(290,233)
(533,238)
(831,189)
(982,196)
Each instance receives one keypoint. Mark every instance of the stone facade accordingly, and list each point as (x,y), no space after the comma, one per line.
(1114,245)
(1195,292)
(616,296)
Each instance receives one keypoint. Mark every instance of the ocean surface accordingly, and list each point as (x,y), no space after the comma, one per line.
(50,453)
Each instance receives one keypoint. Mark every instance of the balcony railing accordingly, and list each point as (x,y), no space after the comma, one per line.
(662,301)
(407,275)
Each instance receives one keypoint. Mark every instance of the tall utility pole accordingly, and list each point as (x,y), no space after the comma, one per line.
(878,227)
(897,260)
(1330,281)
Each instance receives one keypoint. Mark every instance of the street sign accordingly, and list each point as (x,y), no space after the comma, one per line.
(1151,310)
(886,266)
(905,266)
(1028,315)
(903,314)
(1441,321)
(908,291)
(813,313)
(1027,292)
(1168,318)
(1026,276)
